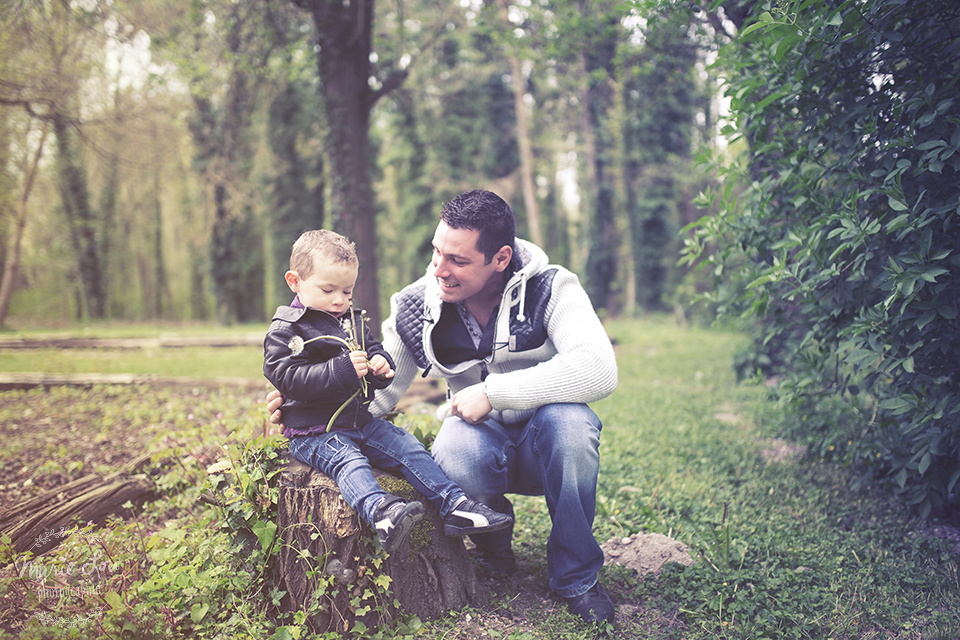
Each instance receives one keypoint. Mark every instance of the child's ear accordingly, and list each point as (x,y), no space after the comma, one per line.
(293,281)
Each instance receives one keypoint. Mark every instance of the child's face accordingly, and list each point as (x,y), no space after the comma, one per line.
(329,288)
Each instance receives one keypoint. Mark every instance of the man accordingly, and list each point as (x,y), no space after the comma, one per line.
(523,352)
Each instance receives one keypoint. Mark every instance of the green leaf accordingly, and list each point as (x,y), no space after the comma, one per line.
(930,144)
(894,404)
(925,463)
(265,532)
(902,478)
(895,204)
(198,611)
(953,481)
(761,280)
(786,44)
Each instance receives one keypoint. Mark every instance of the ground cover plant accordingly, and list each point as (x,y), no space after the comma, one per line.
(785,545)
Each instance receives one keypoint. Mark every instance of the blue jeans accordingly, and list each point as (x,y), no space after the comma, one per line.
(556,454)
(347,457)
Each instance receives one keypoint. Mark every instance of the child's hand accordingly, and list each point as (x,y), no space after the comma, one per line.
(360,364)
(380,367)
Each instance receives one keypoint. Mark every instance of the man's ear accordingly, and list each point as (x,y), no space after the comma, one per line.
(501,260)
(293,281)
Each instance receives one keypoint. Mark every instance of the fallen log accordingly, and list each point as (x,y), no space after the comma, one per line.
(33,379)
(320,534)
(38,524)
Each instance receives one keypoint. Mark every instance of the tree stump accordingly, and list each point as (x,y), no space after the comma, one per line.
(323,542)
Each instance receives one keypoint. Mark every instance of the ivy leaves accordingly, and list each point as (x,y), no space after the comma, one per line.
(838,230)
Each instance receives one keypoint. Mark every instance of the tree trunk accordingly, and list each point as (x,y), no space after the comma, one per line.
(429,574)
(345,35)
(344,63)
(523,140)
(82,219)
(12,264)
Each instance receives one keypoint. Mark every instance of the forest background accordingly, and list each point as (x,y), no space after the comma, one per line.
(176,150)
(158,159)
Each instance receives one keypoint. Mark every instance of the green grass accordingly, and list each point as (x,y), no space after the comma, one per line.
(190,361)
(794,549)
(200,362)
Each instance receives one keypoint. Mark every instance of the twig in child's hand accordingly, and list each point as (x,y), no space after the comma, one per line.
(336,414)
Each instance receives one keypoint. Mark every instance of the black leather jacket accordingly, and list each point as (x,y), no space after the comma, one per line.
(317,381)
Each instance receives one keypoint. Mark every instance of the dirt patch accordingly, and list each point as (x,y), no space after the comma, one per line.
(777,450)
(645,552)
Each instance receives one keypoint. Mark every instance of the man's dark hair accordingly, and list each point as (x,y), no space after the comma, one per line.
(486,212)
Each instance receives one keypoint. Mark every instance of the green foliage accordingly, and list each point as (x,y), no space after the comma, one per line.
(786,549)
(839,231)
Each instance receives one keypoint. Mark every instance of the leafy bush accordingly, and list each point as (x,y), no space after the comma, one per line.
(844,245)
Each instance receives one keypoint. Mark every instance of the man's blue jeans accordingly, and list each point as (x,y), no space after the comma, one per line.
(347,456)
(556,454)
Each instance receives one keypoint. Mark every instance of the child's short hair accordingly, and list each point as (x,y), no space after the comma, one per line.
(320,244)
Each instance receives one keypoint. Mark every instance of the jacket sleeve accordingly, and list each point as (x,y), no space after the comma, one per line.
(299,379)
(583,370)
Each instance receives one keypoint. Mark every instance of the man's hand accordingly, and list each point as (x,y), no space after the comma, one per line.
(471,404)
(274,401)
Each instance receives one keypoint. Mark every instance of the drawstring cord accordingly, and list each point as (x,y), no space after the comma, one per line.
(523,297)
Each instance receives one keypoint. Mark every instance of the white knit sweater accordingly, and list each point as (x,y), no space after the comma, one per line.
(574,363)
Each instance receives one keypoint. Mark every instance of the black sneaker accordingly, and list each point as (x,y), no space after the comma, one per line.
(500,562)
(395,519)
(593,606)
(471,516)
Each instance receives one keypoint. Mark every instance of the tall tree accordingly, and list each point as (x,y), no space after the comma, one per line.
(297,185)
(599,33)
(224,51)
(11,264)
(662,96)
(51,44)
(345,37)
(531,206)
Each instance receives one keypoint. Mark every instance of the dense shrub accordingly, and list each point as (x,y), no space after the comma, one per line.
(844,245)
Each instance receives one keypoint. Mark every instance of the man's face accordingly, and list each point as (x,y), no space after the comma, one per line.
(460,268)
(329,288)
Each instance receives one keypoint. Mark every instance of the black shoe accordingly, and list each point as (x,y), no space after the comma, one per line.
(593,606)
(395,519)
(471,516)
(501,562)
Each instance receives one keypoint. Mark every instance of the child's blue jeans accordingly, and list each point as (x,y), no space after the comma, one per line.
(348,455)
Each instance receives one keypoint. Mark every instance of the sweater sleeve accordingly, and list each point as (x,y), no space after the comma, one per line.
(404,365)
(583,370)
(375,348)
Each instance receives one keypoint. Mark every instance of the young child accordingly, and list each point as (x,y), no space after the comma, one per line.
(319,354)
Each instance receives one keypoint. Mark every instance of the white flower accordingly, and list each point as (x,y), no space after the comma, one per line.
(296,345)
(345,324)
(219,467)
